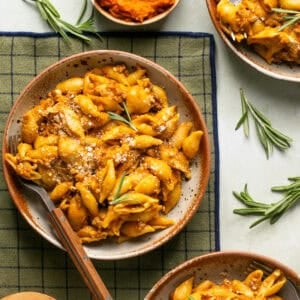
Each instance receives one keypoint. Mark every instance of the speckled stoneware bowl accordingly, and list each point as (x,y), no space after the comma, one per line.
(152,20)
(28,296)
(193,190)
(279,71)
(216,267)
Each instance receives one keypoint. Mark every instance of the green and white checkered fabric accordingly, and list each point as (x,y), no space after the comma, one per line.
(27,261)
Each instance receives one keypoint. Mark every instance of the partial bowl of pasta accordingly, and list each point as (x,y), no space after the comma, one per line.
(27,296)
(258,32)
(119,144)
(225,275)
(135,13)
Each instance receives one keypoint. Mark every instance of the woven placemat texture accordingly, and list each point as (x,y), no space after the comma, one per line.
(27,261)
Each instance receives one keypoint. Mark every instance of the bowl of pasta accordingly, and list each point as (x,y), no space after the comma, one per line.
(264,34)
(226,275)
(27,296)
(135,13)
(118,143)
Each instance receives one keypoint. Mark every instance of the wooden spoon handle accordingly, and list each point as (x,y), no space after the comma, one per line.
(78,255)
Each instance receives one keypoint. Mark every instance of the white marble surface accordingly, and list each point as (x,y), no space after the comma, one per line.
(242,160)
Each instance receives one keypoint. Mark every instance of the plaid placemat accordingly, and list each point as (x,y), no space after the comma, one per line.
(27,261)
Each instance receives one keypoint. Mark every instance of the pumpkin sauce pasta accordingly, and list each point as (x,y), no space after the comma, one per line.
(254,287)
(111,152)
(265,25)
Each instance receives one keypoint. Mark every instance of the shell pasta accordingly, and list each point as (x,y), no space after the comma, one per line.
(110,150)
(254,286)
(262,25)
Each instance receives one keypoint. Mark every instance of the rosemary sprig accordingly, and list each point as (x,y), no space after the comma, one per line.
(117,198)
(51,15)
(272,211)
(290,17)
(82,12)
(268,135)
(118,117)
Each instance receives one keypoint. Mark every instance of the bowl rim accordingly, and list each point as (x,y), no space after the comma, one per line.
(152,20)
(166,278)
(211,6)
(13,185)
(28,295)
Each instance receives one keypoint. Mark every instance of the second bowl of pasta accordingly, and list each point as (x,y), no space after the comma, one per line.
(226,275)
(259,33)
(119,144)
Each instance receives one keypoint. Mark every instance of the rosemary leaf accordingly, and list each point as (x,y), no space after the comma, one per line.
(287,140)
(41,10)
(245,111)
(47,4)
(71,28)
(285,11)
(275,218)
(241,121)
(276,207)
(82,12)
(259,115)
(65,37)
(74,31)
(86,25)
(126,111)
(89,26)
(285,188)
(273,211)
(120,118)
(281,144)
(290,17)
(51,15)
(119,187)
(266,133)
(263,140)
(245,198)
(260,220)
(53,23)
(117,198)
(247,211)
(287,24)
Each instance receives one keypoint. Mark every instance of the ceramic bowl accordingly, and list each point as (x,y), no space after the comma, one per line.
(27,296)
(151,20)
(216,267)
(279,71)
(77,65)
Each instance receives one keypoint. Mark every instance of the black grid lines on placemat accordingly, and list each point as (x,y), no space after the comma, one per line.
(27,262)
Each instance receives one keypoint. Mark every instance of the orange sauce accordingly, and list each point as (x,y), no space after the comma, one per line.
(135,11)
